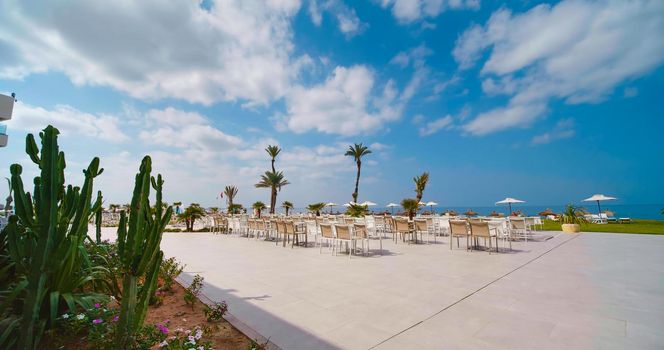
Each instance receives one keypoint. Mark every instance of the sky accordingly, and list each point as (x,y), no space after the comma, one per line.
(549,102)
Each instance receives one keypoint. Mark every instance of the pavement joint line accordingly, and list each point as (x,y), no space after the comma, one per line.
(474,292)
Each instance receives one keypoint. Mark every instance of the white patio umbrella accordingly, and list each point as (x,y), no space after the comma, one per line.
(598,198)
(368,203)
(431,205)
(331,204)
(509,201)
(392,206)
(349,204)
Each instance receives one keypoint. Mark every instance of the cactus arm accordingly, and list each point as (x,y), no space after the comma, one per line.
(50,185)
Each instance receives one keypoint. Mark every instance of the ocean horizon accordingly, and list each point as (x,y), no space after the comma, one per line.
(634,211)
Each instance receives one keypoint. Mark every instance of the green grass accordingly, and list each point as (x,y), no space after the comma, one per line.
(653,227)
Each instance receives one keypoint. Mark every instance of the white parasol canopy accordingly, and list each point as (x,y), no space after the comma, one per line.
(392,206)
(430,204)
(330,204)
(349,204)
(597,198)
(509,201)
(368,203)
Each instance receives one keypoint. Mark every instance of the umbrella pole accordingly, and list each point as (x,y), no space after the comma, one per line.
(510,214)
(599,210)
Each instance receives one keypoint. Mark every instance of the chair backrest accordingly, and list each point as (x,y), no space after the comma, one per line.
(326,231)
(530,221)
(349,221)
(422,224)
(401,225)
(343,231)
(518,224)
(312,227)
(290,227)
(480,229)
(281,227)
(458,227)
(360,230)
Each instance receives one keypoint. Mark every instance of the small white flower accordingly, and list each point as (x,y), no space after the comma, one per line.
(65,316)
(192,339)
(199,334)
(201,347)
(162,344)
(80,316)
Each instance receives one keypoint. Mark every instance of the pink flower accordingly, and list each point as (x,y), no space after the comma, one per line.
(116,318)
(97,321)
(163,329)
(97,306)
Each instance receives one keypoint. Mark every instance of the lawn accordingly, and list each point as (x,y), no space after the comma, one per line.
(654,227)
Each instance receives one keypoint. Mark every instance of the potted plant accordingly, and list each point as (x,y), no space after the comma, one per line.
(572,219)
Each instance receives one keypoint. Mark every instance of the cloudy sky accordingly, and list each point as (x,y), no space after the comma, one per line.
(549,102)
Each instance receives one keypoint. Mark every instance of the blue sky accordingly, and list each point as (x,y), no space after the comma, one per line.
(548,102)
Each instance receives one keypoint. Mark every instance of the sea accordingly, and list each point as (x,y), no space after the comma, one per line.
(634,211)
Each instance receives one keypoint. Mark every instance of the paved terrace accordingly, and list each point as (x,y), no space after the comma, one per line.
(571,292)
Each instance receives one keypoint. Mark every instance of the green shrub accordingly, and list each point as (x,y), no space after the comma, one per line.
(169,270)
(216,312)
(191,292)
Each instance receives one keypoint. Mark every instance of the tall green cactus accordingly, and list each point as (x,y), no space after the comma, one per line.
(139,238)
(46,248)
(98,217)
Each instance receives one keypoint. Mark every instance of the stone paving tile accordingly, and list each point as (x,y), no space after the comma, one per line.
(586,291)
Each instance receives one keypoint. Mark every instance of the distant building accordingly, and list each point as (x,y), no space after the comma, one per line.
(6,108)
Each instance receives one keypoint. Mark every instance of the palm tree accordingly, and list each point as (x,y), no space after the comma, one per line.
(357,151)
(9,199)
(316,208)
(230,192)
(114,207)
(235,208)
(189,216)
(357,210)
(274,181)
(410,205)
(177,207)
(287,205)
(214,210)
(420,185)
(258,207)
(273,151)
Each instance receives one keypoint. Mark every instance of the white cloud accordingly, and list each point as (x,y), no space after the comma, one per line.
(415,56)
(345,103)
(188,130)
(564,129)
(407,11)
(436,125)
(347,19)
(578,51)
(69,121)
(236,50)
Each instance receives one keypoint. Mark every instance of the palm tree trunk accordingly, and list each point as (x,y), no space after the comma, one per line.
(274,171)
(230,205)
(273,200)
(357,181)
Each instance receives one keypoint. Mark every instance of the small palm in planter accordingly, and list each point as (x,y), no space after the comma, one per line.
(572,219)
(411,206)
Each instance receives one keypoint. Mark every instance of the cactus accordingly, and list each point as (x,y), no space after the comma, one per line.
(139,237)
(45,240)
(98,216)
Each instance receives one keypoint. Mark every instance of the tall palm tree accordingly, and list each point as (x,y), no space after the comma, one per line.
(230,192)
(274,181)
(357,151)
(9,199)
(273,151)
(287,205)
(420,184)
(259,207)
